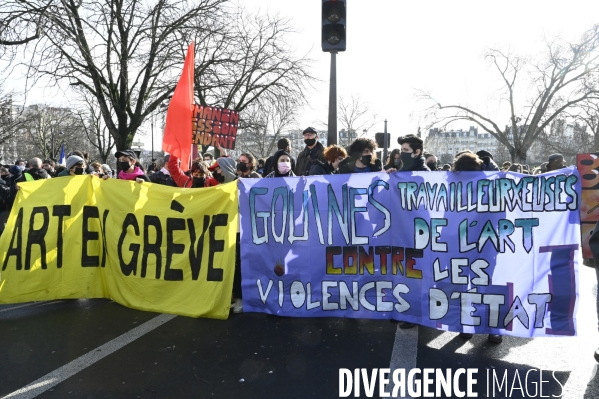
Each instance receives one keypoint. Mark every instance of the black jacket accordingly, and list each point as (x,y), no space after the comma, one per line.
(489,165)
(322,168)
(418,165)
(348,164)
(307,158)
(162,178)
(36,174)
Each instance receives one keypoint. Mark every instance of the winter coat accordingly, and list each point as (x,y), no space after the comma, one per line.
(307,158)
(489,165)
(322,168)
(252,175)
(348,166)
(162,178)
(418,165)
(275,173)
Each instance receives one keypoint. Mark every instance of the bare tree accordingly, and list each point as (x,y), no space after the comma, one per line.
(355,117)
(125,53)
(95,129)
(567,77)
(248,63)
(567,139)
(249,60)
(11,119)
(267,123)
(43,130)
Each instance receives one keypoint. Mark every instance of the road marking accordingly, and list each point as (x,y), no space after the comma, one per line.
(55,377)
(405,350)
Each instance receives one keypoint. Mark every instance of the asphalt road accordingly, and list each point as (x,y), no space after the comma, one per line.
(99,349)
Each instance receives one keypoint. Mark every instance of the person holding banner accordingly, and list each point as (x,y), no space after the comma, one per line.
(246,167)
(411,154)
(333,155)
(283,165)
(223,170)
(130,168)
(362,158)
(199,177)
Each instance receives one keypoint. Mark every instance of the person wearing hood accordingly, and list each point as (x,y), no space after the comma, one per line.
(129,167)
(333,155)
(224,170)
(35,171)
(411,154)
(488,162)
(314,151)
(199,176)
(362,158)
(282,161)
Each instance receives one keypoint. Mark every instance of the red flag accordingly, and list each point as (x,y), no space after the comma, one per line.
(177,130)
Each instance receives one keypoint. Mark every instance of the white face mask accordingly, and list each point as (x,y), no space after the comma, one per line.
(284,167)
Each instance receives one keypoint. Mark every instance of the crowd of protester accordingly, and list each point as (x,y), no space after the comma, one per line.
(314,159)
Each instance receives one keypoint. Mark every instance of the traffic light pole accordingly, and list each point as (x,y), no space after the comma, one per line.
(332,136)
(386,144)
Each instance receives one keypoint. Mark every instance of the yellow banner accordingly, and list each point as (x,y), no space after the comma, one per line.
(145,246)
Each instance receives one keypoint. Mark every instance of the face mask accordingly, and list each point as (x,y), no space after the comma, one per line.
(310,142)
(366,159)
(219,177)
(432,165)
(198,182)
(397,162)
(284,167)
(407,160)
(242,167)
(79,171)
(124,165)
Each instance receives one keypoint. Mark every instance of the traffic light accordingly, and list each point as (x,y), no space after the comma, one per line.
(380,139)
(334,14)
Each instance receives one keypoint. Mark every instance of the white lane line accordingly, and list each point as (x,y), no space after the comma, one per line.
(405,350)
(55,377)
(27,305)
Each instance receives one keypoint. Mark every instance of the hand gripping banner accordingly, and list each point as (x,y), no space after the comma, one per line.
(459,251)
(146,246)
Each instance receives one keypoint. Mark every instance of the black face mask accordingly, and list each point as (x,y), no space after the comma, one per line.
(198,182)
(242,167)
(79,171)
(407,160)
(124,166)
(310,142)
(366,159)
(219,177)
(432,165)
(397,162)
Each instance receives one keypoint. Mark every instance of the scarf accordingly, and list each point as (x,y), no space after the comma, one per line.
(131,176)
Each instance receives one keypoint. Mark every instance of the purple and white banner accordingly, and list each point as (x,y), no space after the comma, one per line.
(460,251)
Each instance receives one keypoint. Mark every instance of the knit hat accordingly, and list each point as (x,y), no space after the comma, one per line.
(73,160)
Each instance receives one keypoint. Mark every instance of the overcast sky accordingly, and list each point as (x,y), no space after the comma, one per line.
(394,47)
